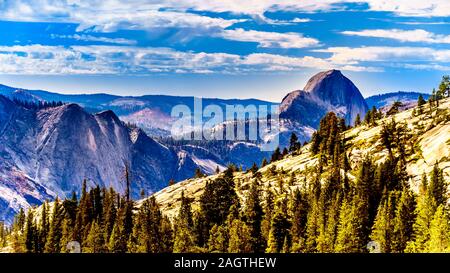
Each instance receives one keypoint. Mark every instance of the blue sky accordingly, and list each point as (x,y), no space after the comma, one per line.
(222,48)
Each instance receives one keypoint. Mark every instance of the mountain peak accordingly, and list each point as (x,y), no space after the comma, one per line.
(326,91)
(333,77)
(108,115)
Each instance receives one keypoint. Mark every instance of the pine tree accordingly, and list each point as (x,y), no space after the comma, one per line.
(127,176)
(426,207)
(395,108)
(328,228)
(97,200)
(354,221)
(264,162)
(217,198)
(404,220)
(85,214)
(439,232)
(172,181)
(31,234)
(315,213)
(279,229)
(109,212)
(147,231)
(184,240)
(4,232)
(44,227)
(434,95)
(17,237)
(420,103)
(66,234)
(218,239)
(198,173)
(345,240)
(253,217)
(19,220)
(95,241)
(268,209)
(299,212)
(240,238)
(327,136)
(387,137)
(437,186)
(363,204)
(383,228)
(254,168)
(294,145)
(122,228)
(368,192)
(70,208)
(276,155)
(357,120)
(115,240)
(55,233)
(201,229)
(167,236)
(368,117)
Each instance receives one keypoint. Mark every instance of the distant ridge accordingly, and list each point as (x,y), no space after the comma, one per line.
(386,99)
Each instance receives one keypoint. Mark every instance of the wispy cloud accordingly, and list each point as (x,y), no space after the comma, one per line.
(414,8)
(400,7)
(90,38)
(433,67)
(58,60)
(424,23)
(354,56)
(184,16)
(270,39)
(109,15)
(417,35)
(55,60)
(264,19)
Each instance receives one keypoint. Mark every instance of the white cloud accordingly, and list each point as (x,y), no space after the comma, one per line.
(90,38)
(423,8)
(427,67)
(107,15)
(417,35)
(351,56)
(301,20)
(262,18)
(424,23)
(270,39)
(110,15)
(54,60)
(103,59)
(420,8)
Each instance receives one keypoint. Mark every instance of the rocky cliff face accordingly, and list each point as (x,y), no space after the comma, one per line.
(49,152)
(326,91)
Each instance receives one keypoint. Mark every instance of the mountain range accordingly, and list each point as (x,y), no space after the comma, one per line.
(150,112)
(48,151)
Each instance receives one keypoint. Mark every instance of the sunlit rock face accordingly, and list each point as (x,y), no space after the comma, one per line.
(326,91)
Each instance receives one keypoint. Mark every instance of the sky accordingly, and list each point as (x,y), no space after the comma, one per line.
(222,48)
